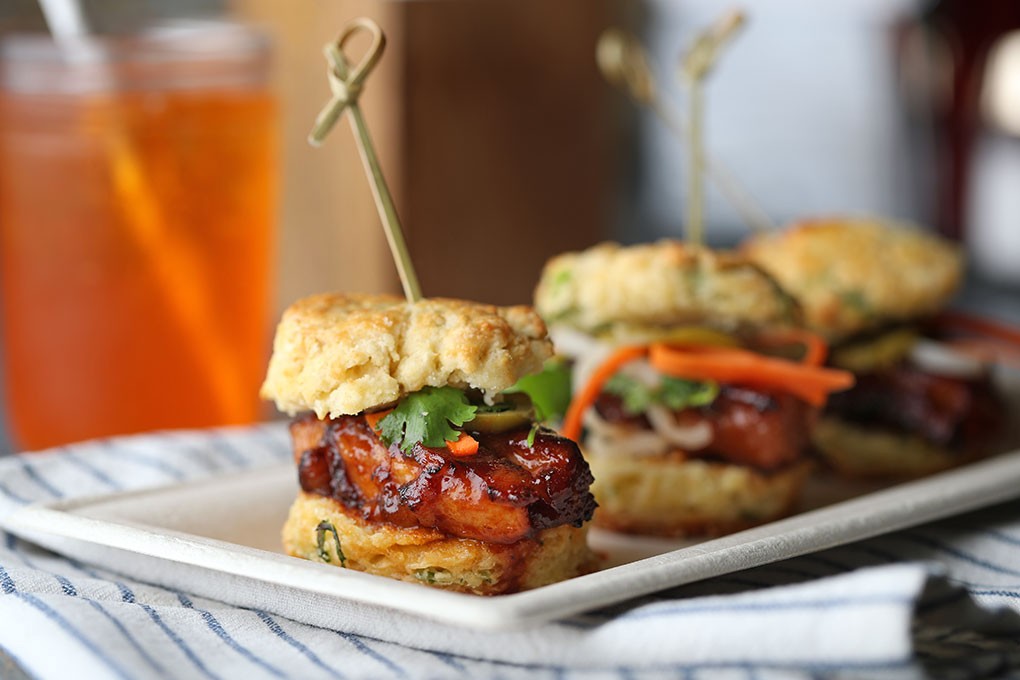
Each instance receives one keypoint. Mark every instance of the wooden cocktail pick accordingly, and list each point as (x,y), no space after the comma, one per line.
(624,64)
(347,84)
(695,66)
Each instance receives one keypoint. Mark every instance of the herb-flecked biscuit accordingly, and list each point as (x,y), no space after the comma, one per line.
(426,556)
(861,452)
(856,274)
(672,495)
(340,354)
(660,284)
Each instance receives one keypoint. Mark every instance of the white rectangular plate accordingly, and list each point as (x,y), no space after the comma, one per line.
(220,538)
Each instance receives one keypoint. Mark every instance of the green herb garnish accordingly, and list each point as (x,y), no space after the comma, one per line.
(856,300)
(531,434)
(678,394)
(428,417)
(434,575)
(443,577)
(561,278)
(636,396)
(675,394)
(549,390)
(320,542)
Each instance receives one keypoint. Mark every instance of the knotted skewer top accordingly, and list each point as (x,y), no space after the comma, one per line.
(346,84)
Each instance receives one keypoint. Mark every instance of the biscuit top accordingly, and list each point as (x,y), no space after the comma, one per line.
(656,285)
(338,354)
(856,274)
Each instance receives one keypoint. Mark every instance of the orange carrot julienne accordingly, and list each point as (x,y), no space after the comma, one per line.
(373,418)
(465,445)
(816,350)
(811,383)
(808,381)
(589,393)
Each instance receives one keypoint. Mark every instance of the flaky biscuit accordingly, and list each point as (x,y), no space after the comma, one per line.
(855,274)
(427,556)
(659,284)
(863,452)
(338,354)
(669,495)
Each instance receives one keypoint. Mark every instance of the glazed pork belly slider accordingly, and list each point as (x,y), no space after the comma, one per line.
(871,288)
(412,460)
(692,424)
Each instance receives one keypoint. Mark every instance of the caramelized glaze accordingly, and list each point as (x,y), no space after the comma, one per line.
(960,414)
(505,492)
(749,427)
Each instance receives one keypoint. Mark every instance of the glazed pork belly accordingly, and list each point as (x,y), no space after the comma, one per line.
(506,492)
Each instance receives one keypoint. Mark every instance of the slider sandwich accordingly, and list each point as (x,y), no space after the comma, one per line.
(413,460)
(872,288)
(693,420)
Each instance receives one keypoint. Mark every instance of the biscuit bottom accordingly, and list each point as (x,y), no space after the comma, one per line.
(422,555)
(859,452)
(672,496)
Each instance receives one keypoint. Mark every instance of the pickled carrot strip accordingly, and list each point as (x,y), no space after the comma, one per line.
(810,383)
(466,445)
(589,393)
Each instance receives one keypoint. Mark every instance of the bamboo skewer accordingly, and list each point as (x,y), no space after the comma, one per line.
(624,64)
(694,68)
(347,84)
(695,142)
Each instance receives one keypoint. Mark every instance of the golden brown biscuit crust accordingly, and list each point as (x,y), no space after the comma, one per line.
(432,558)
(859,452)
(338,354)
(660,284)
(670,495)
(855,274)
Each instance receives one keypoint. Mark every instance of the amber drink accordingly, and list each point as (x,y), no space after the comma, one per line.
(137,196)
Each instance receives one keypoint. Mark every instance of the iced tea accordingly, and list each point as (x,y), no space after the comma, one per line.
(136,218)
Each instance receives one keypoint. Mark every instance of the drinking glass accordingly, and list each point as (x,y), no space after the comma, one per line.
(137,200)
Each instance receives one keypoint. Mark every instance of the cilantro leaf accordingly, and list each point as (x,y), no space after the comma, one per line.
(636,396)
(549,390)
(427,416)
(678,394)
(675,394)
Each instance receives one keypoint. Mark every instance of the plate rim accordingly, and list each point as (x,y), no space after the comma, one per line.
(969,487)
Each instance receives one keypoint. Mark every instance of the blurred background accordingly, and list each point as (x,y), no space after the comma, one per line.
(503,144)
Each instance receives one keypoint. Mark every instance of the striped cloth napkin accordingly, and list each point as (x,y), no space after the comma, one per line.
(936,601)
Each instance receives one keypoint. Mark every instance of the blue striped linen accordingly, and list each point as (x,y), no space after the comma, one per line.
(937,601)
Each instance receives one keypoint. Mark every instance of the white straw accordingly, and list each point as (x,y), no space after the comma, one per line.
(71,31)
(65,19)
